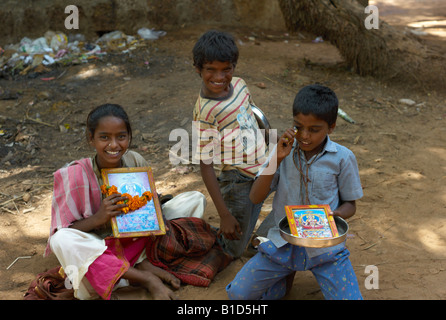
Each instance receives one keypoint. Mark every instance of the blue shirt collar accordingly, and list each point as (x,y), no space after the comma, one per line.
(330,146)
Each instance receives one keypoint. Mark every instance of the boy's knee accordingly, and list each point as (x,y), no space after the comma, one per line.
(237,292)
(235,248)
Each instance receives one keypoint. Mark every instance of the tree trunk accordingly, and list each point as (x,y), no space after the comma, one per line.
(363,3)
(386,53)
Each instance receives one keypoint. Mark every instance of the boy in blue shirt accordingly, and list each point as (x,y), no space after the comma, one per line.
(312,169)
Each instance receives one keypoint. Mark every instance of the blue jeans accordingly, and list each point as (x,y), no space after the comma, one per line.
(235,188)
(264,275)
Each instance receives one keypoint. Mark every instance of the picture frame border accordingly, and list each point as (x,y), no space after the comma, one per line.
(289,210)
(162,228)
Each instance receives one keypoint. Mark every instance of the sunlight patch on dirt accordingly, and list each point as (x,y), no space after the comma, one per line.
(423,17)
(441,152)
(412,175)
(434,27)
(368,172)
(93,71)
(431,239)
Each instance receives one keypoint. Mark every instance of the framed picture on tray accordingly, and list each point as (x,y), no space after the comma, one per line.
(311,221)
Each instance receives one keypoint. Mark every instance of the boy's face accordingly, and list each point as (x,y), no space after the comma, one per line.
(217,77)
(312,132)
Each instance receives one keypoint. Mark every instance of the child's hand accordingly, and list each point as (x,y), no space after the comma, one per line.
(109,208)
(229,227)
(285,144)
(334,213)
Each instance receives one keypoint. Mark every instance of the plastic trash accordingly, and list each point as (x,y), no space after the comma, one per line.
(58,41)
(345,116)
(418,32)
(114,35)
(318,40)
(150,34)
(79,37)
(73,47)
(114,41)
(24,45)
(39,45)
(56,47)
(47,60)
(408,102)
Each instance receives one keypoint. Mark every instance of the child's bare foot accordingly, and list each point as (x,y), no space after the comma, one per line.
(150,281)
(157,288)
(160,273)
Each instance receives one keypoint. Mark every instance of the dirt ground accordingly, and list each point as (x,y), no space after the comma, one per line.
(399,226)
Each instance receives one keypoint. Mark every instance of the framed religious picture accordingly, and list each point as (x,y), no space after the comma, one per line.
(143,215)
(311,221)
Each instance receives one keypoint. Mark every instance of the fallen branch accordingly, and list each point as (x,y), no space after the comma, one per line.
(380,238)
(38,121)
(19,197)
(394,107)
(10,211)
(24,257)
(372,245)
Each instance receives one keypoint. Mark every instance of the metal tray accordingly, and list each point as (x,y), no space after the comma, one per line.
(262,121)
(341,224)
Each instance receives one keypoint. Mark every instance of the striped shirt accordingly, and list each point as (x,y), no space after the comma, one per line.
(227,132)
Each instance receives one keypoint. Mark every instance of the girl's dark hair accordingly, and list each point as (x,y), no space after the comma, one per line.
(317,100)
(106,110)
(215,46)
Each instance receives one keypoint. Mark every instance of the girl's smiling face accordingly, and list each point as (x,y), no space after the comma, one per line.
(111,140)
(312,132)
(217,77)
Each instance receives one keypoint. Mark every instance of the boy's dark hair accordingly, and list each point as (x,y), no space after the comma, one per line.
(215,46)
(317,100)
(106,110)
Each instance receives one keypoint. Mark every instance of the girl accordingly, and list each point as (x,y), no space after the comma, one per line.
(79,217)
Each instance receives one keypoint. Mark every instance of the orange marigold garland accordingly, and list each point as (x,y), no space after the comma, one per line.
(134,203)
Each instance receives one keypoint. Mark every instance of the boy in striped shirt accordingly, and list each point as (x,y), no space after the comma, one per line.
(227,135)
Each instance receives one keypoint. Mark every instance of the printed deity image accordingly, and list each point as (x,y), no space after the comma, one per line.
(143,219)
(312,223)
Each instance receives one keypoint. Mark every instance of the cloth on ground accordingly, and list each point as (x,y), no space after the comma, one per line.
(189,251)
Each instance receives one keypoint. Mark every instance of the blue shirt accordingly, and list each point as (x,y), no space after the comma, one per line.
(334,178)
